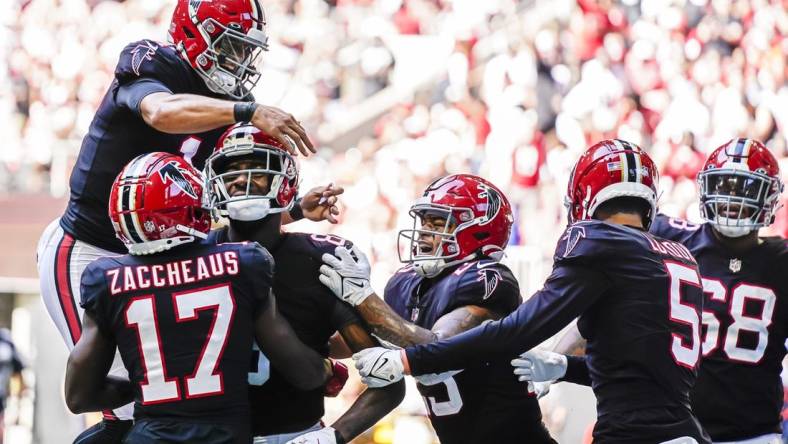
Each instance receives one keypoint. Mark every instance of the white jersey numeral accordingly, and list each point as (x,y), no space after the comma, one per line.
(759,324)
(686,355)
(141,314)
(206,380)
(742,322)
(449,407)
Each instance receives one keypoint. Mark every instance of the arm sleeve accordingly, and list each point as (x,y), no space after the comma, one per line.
(131,94)
(567,293)
(577,371)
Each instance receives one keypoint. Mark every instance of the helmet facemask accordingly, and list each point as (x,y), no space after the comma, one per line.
(446,252)
(736,201)
(228,65)
(253,203)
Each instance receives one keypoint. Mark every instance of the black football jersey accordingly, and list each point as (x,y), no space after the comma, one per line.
(484,402)
(638,298)
(118,134)
(315,315)
(739,392)
(183,322)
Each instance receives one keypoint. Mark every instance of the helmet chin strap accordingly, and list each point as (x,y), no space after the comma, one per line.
(731,231)
(429,268)
(248,210)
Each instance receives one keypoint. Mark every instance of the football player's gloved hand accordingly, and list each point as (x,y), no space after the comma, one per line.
(326,435)
(346,274)
(379,366)
(540,366)
(540,389)
(337,380)
(435,378)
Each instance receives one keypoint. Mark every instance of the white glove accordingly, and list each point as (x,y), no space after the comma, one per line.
(379,366)
(435,378)
(347,277)
(540,366)
(540,389)
(326,435)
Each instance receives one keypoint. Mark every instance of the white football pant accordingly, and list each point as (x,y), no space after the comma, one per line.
(61,261)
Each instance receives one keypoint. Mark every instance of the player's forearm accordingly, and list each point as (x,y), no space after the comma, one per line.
(109,394)
(186,113)
(369,408)
(571,343)
(389,326)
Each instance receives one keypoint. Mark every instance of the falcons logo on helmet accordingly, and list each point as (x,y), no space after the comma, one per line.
(171,172)
(493,202)
(491,278)
(140,53)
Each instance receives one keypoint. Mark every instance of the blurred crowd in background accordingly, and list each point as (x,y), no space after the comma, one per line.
(511,90)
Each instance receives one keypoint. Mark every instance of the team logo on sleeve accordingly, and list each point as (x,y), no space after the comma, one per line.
(171,172)
(143,51)
(491,278)
(572,237)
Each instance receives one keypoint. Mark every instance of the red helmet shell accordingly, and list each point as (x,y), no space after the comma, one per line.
(754,200)
(749,154)
(478,210)
(609,169)
(197,27)
(157,196)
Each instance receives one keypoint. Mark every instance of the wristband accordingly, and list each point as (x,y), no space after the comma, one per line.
(244,111)
(297,213)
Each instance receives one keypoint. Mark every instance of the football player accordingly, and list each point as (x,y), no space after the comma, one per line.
(182,313)
(738,396)
(177,98)
(252,180)
(739,392)
(453,282)
(638,298)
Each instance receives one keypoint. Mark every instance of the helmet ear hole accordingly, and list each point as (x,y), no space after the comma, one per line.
(480,236)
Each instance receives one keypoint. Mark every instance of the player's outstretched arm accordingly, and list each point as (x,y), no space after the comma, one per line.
(567,293)
(88,388)
(346,274)
(191,113)
(301,365)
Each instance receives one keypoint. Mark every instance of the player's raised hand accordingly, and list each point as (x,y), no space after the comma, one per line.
(319,203)
(539,366)
(346,274)
(284,127)
(379,367)
(326,435)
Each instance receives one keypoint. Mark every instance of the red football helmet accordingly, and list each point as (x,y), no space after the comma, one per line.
(479,211)
(609,169)
(244,141)
(156,204)
(222,40)
(740,187)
